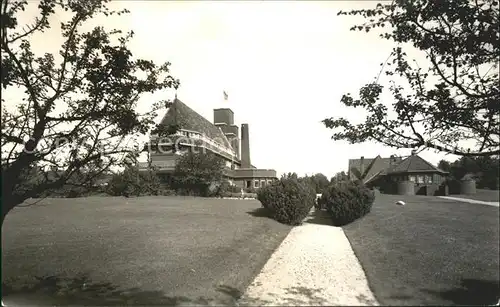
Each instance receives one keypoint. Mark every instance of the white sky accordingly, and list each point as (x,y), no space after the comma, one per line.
(285,66)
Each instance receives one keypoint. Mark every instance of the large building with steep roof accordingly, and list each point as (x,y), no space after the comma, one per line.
(222,137)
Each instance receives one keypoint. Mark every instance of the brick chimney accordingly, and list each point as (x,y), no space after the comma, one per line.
(245,147)
(392,159)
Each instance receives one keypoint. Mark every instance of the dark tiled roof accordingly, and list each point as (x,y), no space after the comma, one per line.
(414,163)
(355,167)
(373,166)
(186,118)
(380,164)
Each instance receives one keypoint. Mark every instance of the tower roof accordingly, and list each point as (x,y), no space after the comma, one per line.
(186,118)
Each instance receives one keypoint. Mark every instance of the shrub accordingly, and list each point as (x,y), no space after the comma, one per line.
(166,192)
(250,190)
(198,174)
(347,202)
(75,193)
(72,191)
(131,182)
(223,189)
(234,189)
(288,200)
(249,195)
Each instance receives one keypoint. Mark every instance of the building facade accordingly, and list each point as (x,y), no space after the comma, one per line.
(399,175)
(194,133)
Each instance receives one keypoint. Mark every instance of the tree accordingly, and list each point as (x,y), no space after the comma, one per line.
(290,175)
(339,177)
(485,170)
(320,182)
(195,172)
(489,176)
(453,96)
(78,114)
(444,165)
(132,182)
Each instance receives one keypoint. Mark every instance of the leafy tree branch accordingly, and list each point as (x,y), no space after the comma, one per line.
(77,117)
(455,98)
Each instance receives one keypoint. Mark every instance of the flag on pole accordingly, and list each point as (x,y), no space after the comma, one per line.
(225,95)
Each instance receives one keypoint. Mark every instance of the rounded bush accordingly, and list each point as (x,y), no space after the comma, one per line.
(347,202)
(288,200)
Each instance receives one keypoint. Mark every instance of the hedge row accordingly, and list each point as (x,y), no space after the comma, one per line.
(290,200)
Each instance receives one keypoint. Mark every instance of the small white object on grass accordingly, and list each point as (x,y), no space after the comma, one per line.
(400,202)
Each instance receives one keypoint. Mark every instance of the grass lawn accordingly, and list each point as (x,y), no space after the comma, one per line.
(430,252)
(483,195)
(141,251)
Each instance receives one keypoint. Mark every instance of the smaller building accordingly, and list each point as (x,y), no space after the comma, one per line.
(399,175)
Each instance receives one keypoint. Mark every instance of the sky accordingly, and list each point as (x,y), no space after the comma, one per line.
(284,65)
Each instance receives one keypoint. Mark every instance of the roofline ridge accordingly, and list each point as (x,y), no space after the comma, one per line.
(401,162)
(428,163)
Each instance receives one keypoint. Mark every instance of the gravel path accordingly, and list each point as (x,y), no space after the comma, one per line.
(472,201)
(314,265)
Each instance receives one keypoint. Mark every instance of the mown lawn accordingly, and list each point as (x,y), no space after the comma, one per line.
(430,252)
(134,251)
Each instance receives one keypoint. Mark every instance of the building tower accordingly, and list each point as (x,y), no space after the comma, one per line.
(245,147)
(224,119)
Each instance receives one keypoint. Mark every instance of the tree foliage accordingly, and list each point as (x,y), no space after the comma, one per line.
(195,172)
(453,96)
(484,169)
(319,182)
(289,175)
(339,177)
(132,182)
(78,112)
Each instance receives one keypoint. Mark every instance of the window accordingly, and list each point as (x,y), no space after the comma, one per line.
(262,183)
(411,178)
(256,183)
(429,178)
(249,184)
(420,179)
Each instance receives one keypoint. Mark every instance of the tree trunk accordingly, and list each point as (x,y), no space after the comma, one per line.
(6,207)
(8,203)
